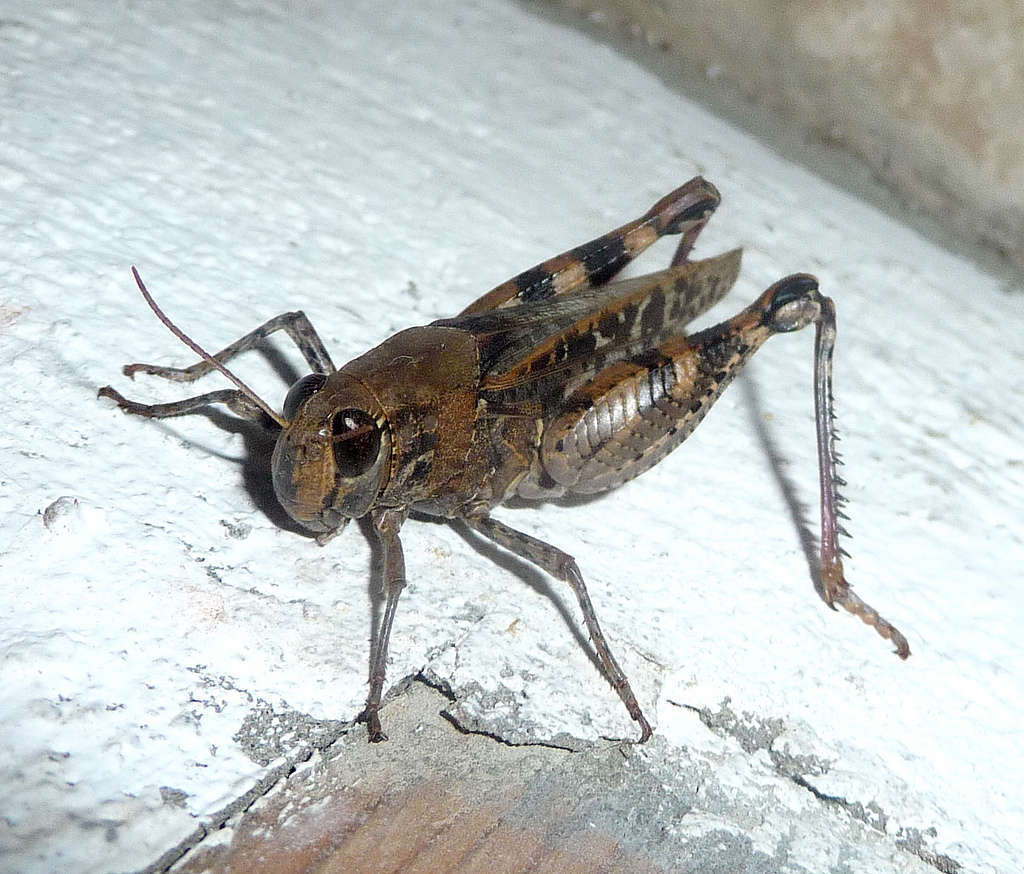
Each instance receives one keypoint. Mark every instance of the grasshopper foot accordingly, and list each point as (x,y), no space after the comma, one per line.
(375,734)
(870,616)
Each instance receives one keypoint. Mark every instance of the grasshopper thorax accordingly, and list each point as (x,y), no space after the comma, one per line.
(331,459)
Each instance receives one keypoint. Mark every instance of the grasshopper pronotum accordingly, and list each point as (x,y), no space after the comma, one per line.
(558,381)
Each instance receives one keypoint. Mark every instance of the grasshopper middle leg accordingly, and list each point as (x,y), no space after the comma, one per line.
(563,566)
(243,401)
(294,324)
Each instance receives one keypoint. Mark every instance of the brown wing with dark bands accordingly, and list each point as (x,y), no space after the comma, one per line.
(543,352)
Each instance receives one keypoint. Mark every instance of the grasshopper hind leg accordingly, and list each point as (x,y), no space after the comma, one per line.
(684,211)
(636,411)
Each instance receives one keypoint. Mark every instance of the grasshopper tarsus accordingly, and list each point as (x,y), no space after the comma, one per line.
(558,381)
(175,374)
(108,391)
(869,616)
(374,733)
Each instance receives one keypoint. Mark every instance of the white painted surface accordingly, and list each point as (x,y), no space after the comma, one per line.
(379,170)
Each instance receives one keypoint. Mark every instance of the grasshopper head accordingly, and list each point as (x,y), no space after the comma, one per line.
(331,459)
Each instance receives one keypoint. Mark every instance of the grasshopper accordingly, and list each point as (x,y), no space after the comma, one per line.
(558,381)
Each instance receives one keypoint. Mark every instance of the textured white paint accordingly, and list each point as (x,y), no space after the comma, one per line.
(380,171)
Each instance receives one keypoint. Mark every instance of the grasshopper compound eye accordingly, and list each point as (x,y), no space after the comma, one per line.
(301,392)
(356,440)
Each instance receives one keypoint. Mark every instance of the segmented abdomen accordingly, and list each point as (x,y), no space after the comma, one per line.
(633,413)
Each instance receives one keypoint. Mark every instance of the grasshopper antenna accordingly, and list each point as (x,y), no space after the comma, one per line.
(206,356)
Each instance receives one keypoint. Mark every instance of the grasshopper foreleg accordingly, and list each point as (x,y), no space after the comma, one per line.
(387,524)
(244,402)
(563,566)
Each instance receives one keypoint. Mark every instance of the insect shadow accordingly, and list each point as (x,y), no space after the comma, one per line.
(258,446)
(529,575)
(779,463)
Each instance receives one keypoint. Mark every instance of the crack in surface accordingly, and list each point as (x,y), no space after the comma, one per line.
(264,736)
(465,725)
(239,806)
(753,733)
(282,725)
